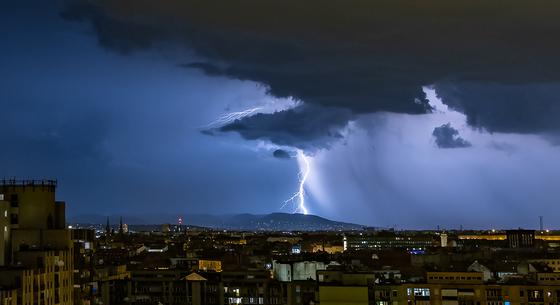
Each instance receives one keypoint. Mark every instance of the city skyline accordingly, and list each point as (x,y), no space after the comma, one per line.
(377,114)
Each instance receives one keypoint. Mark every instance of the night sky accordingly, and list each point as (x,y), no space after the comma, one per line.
(410,113)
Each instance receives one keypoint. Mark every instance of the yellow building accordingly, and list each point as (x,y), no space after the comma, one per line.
(331,249)
(340,295)
(210,265)
(343,288)
(554,264)
(36,257)
(8,297)
(454,288)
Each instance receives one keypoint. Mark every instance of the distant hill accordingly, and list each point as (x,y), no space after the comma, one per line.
(249,222)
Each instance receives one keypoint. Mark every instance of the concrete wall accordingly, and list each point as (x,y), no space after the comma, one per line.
(4,233)
(297,271)
(339,295)
(36,207)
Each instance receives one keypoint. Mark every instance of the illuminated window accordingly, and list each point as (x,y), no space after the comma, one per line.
(420,292)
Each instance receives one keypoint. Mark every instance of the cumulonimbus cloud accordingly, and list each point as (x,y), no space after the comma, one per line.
(362,56)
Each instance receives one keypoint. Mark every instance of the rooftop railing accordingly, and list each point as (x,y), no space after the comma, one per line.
(28,182)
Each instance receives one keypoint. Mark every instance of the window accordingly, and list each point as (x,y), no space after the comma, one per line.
(14,201)
(421,292)
(40,262)
(14,219)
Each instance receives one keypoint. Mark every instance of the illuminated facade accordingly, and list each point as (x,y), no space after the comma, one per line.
(454,288)
(36,247)
(210,265)
(387,241)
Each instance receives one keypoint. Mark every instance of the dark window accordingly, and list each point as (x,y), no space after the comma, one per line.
(50,224)
(40,262)
(14,203)
(14,219)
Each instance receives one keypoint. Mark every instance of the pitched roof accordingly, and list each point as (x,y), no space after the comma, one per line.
(194,277)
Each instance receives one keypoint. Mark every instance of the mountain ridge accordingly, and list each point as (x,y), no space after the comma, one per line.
(276,221)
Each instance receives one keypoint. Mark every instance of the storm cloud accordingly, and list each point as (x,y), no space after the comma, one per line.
(281,154)
(507,108)
(448,137)
(363,56)
(304,127)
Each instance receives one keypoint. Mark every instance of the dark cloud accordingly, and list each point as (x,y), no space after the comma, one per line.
(305,127)
(113,33)
(364,56)
(519,108)
(448,137)
(281,154)
(120,132)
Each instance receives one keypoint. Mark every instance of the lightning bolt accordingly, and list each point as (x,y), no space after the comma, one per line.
(300,194)
(230,117)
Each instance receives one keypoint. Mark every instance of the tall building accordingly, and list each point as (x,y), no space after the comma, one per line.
(36,259)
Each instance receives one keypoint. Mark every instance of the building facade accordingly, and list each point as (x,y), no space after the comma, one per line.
(36,247)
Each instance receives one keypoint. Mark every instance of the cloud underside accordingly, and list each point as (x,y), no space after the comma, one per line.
(448,137)
(497,64)
(304,127)
(281,154)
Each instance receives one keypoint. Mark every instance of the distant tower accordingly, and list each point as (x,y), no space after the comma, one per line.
(443,240)
(541,223)
(121,229)
(107,227)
